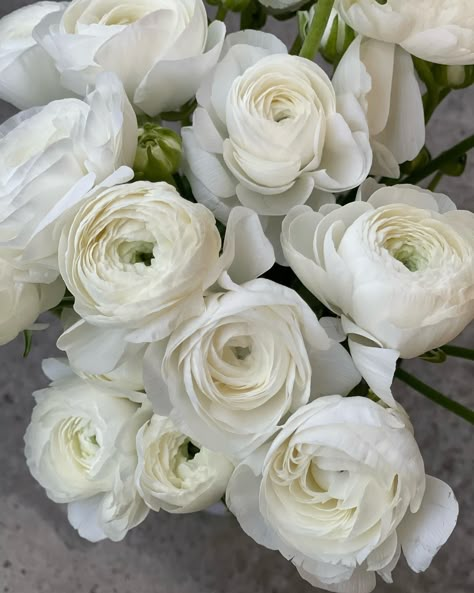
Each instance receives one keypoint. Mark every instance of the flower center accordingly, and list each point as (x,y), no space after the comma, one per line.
(408,255)
(81,441)
(238,349)
(188,450)
(136,252)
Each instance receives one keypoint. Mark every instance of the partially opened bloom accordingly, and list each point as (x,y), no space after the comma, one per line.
(54,154)
(381,76)
(231,376)
(341,492)
(160,49)
(440,31)
(81,447)
(397,267)
(176,474)
(28,76)
(269,133)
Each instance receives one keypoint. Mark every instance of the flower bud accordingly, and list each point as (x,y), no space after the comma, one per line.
(453,77)
(158,154)
(420,161)
(454,168)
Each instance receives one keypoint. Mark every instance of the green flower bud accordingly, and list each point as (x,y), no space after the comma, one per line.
(420,161)
(235,5)
(453,77)
(158,154)
(455,168)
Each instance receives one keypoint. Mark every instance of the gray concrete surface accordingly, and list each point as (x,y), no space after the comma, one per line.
(41,553)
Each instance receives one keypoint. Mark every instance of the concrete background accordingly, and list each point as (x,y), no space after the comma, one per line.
(41,553)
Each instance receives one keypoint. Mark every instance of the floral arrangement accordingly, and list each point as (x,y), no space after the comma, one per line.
(241,258)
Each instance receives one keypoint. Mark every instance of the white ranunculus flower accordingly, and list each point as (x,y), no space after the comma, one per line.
(21,303)
(138,259)
(55,153)
(382,78)
(397,267)
(81,447)
(28,76)
(174,473)
(341,492)
(269,132)
(160,49)
(254,356)
(440,31)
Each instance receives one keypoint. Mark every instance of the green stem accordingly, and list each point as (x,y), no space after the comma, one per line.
(448,156)
(435,396)
(317,28)
(458,352)
(433,101)
(436,179)
(434,92)
(296,47)
(221,13)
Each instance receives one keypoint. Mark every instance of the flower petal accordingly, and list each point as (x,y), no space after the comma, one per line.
(422,534)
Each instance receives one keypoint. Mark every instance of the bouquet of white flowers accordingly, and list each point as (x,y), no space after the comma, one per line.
(239,287)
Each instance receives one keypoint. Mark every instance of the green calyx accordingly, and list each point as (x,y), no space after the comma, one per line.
(159,153)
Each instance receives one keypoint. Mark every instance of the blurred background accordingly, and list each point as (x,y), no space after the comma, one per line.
(200,553)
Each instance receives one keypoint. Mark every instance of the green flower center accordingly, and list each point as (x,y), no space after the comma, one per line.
(408,255)
(136,252)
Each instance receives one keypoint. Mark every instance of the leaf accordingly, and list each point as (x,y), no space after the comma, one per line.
(28,337)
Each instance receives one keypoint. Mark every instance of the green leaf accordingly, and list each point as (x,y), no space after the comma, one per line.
(28,337)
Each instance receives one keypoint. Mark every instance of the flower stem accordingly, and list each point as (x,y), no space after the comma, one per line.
(296,47)
(448,156)
(435,396)
(458,352)
(317,28)
(221,13)
(436,179)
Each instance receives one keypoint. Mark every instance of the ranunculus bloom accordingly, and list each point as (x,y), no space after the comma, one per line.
(269,132)
(382,78)
(21,303)
(440,31)
(138,259)
(341,492)
(396,267)
(81,447)
(255,355)
(28,76)
(160,49)
(175,474)
(58,152)
(139,255)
